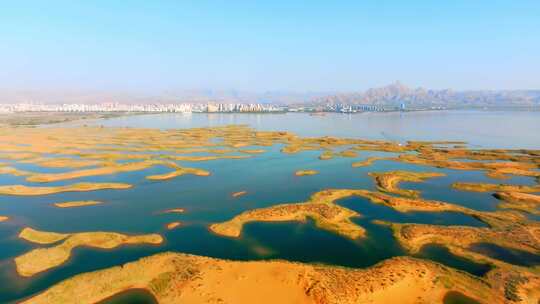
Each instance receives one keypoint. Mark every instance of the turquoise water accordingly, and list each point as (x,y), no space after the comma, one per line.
(269,179)
(442,255)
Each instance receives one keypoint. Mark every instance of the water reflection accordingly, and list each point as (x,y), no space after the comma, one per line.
(131,296)
(454,297)
(508,255)
(442,255)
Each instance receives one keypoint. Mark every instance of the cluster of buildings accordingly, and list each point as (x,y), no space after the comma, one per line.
(237,107)
(153,108)
(194,108)
(346,108)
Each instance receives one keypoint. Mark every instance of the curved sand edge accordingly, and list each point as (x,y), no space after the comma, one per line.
(42,259)
(239,193)
(41,237)
(306,172)
(178,172)
(74,204)
(172,225)
(329,216)
(389,181)
(485,187)
(525,202)
(459,238)
(78,187)
(183,278)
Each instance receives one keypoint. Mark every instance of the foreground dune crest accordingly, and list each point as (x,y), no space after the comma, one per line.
(182,278)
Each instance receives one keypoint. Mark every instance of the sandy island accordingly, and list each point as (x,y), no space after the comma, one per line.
(111,168)
(326,155)
(519,201)
(77,204)
(178,172)
(3,218)
(79,187)
(174,210)
(389,181)
(173,225)
(176,277)
(306,172)
(329,216)
(42,259)
(238,194)
(326,216)
(480,187)
(368,161)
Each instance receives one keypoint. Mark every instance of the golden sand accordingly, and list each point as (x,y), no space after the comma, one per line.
(206,158)
(326,155)
(238,194)
(253,151)
(167,276)
(182,278)
(367,162)
(348,153)
(42,259)
(173,225)
(326,216)
(175,210)
(480,187)
(77,204)
(13,171)
(79,187)
(179,172)
(41,237)
(510,233)
(389,181)
(306,172)
(105,170)
(63,162)
(3,218)
(519,201)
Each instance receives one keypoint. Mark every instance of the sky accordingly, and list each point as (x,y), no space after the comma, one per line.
(269,45)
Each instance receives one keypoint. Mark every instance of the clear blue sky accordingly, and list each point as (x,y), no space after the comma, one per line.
(272,45)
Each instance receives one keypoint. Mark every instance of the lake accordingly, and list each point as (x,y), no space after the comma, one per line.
(268,179)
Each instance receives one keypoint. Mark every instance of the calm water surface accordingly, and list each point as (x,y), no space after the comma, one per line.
(268,178)
(480,128)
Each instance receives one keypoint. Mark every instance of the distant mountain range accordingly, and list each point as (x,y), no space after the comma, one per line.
(391,95)
(397,93)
